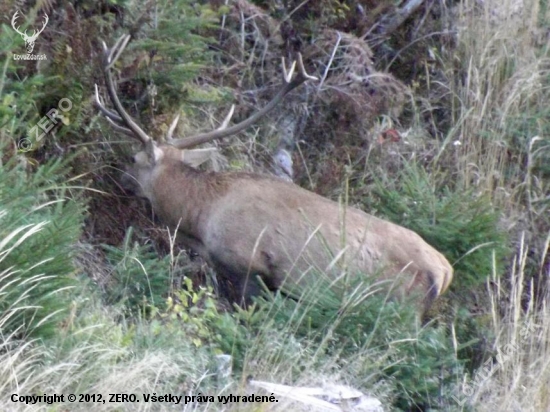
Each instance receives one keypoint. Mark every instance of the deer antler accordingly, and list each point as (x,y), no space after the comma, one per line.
(110,56)
(132,129)
(223,131)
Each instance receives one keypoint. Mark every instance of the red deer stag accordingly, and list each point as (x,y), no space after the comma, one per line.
(248,225)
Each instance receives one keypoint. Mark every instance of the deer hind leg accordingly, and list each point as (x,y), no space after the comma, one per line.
(240,285)
(426,287)
(237,285)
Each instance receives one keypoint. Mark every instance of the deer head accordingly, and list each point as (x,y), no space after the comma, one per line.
(29,40)
(178,149)
(248,226)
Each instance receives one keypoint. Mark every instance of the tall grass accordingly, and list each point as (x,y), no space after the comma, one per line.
(499,74)
(517,377)
(97,354)
(98,351)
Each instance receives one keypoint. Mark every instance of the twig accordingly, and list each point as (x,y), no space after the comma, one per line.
(397,19)
(325,74)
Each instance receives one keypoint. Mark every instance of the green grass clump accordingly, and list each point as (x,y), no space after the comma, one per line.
(39,226)
(139,280)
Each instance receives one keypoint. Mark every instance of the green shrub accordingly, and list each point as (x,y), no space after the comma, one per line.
(139,280)
(148,288)
(39,224)
(462,225)
(356,329)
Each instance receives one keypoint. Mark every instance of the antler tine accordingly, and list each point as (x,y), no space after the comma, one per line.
(172,128)
(289,84)
(302,70)
(116,50)
(110,58)
(287,75)
(227,119)
(222,126)
(108,113)
(111,117)
(120,128)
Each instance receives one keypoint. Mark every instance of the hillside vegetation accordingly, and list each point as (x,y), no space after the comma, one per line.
(434,117)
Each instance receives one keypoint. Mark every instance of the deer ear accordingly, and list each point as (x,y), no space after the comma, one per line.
(196,157)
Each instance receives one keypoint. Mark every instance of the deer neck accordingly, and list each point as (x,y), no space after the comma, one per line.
(183,197)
